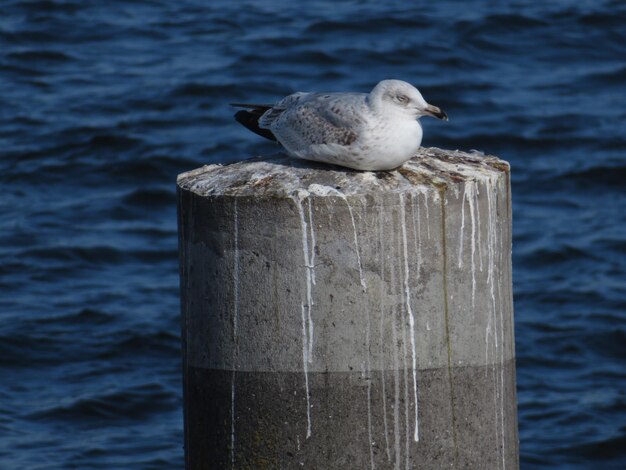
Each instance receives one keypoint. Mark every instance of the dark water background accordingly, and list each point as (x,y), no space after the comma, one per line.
(102,103)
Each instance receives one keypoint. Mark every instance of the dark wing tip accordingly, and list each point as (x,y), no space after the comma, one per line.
(250,120)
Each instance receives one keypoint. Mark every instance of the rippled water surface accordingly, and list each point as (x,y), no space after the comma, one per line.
(103,103)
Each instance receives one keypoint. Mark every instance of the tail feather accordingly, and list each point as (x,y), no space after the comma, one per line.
(249,118)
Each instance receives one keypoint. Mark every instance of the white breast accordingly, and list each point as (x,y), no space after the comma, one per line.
(392,145)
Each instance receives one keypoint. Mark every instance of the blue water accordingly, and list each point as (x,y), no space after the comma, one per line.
(103,103)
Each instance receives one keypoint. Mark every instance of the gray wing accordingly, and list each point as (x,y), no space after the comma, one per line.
(304,120)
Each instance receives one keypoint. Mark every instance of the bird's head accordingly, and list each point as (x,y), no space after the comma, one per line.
(404,99)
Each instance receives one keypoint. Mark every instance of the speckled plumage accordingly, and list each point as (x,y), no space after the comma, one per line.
(375,131)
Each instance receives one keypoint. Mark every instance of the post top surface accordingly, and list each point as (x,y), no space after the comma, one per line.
(282,176)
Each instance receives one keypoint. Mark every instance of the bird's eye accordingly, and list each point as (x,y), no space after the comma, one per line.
(402,99)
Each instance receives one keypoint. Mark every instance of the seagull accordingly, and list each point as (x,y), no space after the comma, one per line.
(373,131)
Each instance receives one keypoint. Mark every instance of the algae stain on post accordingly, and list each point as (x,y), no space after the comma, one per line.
(447,319)
(500,264)
(497,346)
(495,243)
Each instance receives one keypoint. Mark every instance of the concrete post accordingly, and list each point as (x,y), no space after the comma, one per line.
(335,319)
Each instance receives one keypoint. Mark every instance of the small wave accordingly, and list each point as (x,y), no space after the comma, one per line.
(599,451)
(616,76)
(556,254)
(150,198)
(132,403)
(112,141)
(368,24)
(21,70)
(47,6)
(546,327)
(19,349)
(496,142)
(151,232)
(40,56)
(24,36)
(156,255)
(613,244)
(283,40)
(74,146)
(603,20)
(63,254)
(499,21)
(85,316)
(149,169)
(549,363)
(608,343)
(203,90)
(135,344)
(310,57)
(71,257)
(510,21)
(599,176)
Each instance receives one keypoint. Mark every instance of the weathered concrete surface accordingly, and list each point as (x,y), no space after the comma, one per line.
(343,319)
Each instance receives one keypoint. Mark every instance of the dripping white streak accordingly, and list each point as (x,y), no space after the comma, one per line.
(417,237)
(427,216)
(384,397)
(407,425)
(491,242)
(307,340)
(232,420)
(235,329)
(236,270)
(396,379)
(487,331)
(369,384)
(313,242)
(356,241)
(308,268)
(471,199)
(366,376)
(381,248)
(416,232)
(419,230)
(480,244)
(407,293)
(306,374)
(462,226)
